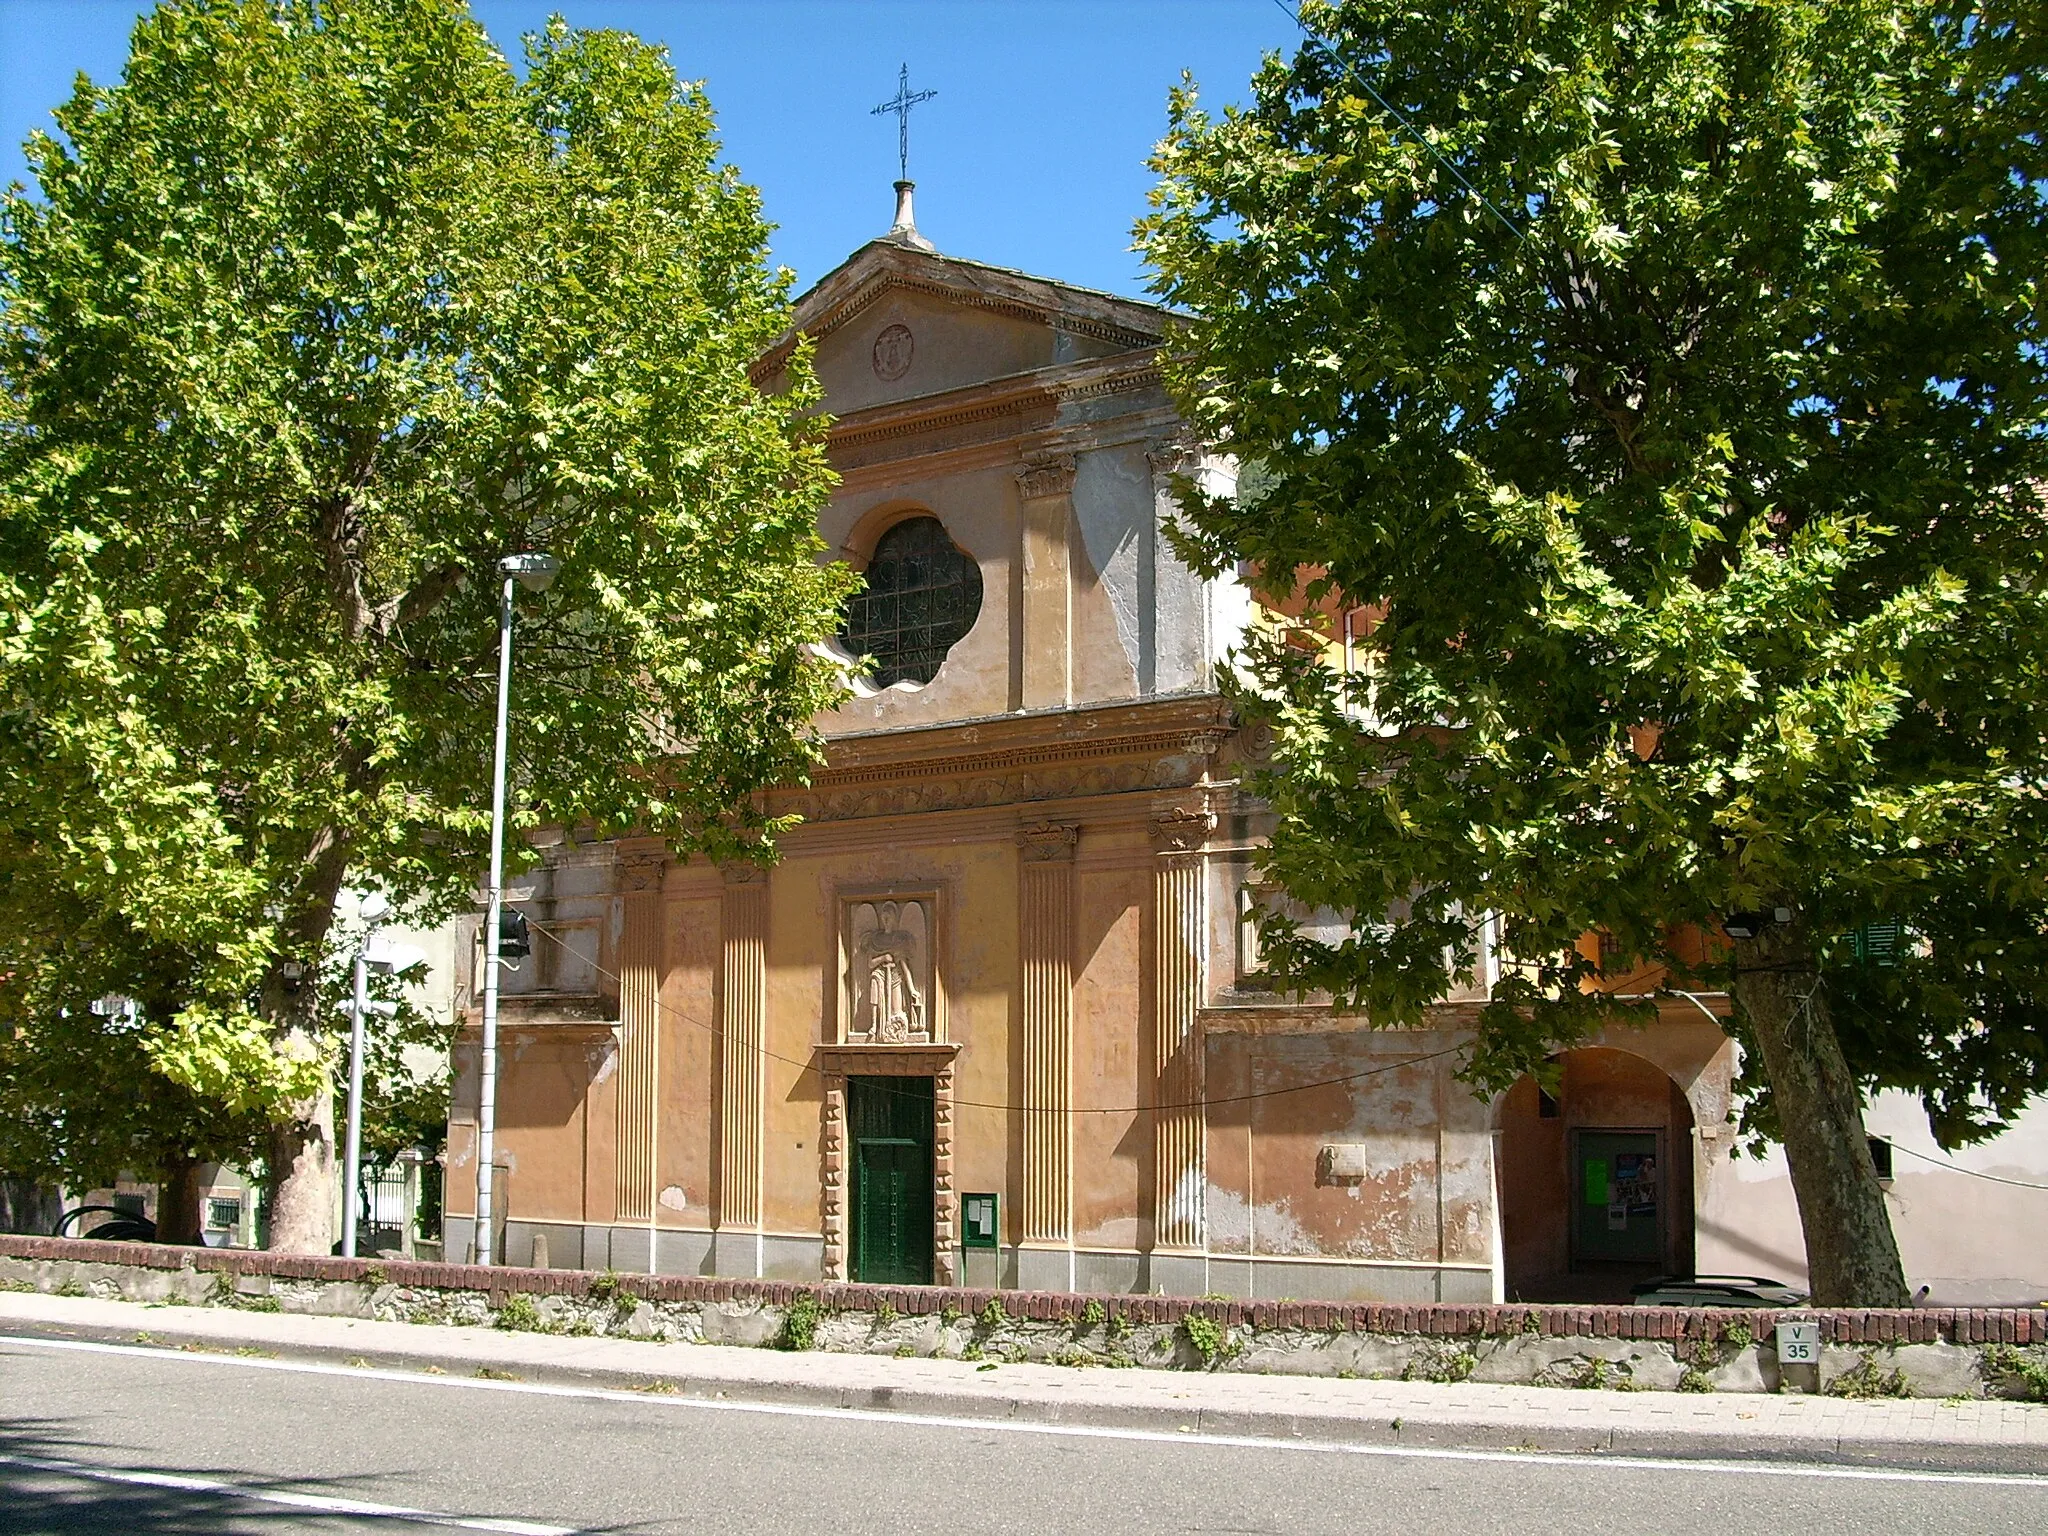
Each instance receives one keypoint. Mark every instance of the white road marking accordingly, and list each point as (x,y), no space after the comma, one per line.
(322,1505)
(1825,1471)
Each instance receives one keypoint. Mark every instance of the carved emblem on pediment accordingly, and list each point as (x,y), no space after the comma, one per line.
(894,349)
(888,981)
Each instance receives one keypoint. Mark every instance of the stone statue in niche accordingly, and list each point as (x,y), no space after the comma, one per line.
(889,985)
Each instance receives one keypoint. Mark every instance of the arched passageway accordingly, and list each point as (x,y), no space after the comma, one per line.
(1596,1181)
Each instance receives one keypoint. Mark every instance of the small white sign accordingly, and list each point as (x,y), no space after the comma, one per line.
(1799,1343)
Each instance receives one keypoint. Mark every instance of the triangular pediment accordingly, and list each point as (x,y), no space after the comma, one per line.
(893,322)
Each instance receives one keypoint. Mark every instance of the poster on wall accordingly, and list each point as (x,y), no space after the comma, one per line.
(1596,1181)
(1634,1186)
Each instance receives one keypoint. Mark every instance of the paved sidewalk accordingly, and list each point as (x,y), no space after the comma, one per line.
(1985,1436)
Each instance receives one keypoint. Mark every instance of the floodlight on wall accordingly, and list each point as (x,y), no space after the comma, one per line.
(387,957)
(120,1012)
(1750,925)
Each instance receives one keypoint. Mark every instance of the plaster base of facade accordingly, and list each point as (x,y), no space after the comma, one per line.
(1094,1271)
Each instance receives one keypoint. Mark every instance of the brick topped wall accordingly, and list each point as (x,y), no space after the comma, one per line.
(1846,1326)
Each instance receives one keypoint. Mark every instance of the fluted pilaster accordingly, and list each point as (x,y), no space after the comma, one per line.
(640,872)
(1046,943)
(1046,486)
(743,1010)
(1179,1124)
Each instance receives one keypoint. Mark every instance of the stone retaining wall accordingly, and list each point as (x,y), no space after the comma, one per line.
(1931,1352)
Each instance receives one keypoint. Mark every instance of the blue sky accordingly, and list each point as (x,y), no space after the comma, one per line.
(1033,155)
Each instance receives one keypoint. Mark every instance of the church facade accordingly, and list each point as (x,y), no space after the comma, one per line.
(995,1017)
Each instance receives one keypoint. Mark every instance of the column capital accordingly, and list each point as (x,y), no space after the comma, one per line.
(1182,829)
(1173,456)
(642,864)
(743,874)
(1049,475)
(1048,842)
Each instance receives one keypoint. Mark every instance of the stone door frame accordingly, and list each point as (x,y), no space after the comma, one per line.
(836,1063)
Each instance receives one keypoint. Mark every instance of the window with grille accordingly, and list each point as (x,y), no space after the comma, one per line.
(922,594)
(1877,943)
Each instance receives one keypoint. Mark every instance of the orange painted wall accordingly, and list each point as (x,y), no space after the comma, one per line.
(1112,1061)
(686,1127)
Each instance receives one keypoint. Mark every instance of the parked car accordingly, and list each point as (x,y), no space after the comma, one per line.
(1715,1291)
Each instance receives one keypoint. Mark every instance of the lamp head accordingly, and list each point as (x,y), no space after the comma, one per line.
(373,906)
(531,569)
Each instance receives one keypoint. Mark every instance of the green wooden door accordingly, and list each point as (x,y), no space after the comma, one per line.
(1617,1191)
(889,1120)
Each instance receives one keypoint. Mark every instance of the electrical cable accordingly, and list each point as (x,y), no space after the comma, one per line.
(962,1103)
(1395,112)
(1241,1098)
(1989,1178)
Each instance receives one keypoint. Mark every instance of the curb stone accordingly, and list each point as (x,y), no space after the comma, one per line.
(1415,1416)
(1935,1353)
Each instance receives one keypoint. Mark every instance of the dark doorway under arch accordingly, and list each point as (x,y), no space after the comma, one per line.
(1596,1180)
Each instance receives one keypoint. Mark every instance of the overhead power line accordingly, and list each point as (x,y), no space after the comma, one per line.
(1007,1108)
(1948,1167)
(1330,52)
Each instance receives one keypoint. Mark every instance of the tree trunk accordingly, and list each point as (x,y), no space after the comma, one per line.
(179,1192)
(1852,1258)
(302,1173)
(302,1161)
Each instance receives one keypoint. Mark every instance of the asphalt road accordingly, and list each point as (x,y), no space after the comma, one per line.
(96,1438)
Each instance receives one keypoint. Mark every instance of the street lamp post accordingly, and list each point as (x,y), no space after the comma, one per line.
(536,573)
(372,909)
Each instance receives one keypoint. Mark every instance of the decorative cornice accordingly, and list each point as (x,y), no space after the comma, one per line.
(1134,724)
(1052,476)
(863,297)
(999,759)
(864,1059)
(922,439)
(1064,781)
(1150,745)
(1182,829)
(1015,406)
(1298,1018)
(586,1011)
(1033,403)
(1122,383)
(837,316)
(1049,842)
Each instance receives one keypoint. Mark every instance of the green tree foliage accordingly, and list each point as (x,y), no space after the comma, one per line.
(81,1098)
(321,311)
(1667,378)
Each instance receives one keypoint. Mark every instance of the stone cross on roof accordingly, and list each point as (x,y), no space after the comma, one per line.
(903,101)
